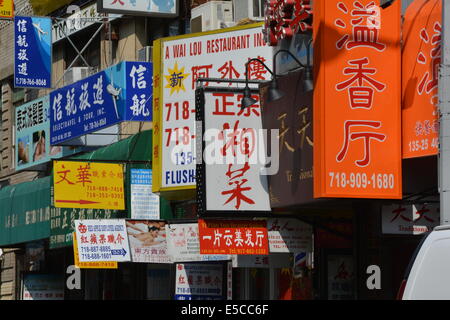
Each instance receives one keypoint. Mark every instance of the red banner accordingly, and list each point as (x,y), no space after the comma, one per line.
(233,237)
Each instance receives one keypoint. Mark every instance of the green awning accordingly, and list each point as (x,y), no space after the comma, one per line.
(25,212)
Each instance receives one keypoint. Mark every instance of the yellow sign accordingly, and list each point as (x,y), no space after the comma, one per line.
(88,185)
(90,265)
(7,9)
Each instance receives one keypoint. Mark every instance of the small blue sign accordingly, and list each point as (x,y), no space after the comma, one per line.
(120,93)
(32,52)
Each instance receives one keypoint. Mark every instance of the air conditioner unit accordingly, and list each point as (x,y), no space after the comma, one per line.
(212,15)
(248,9)
(145,54)
(76,74)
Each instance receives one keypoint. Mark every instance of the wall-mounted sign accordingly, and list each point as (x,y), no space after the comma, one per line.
(88,185)
(144,203)
(218,54)
(357,114)
(32,52)
(410,219)
(340,277)
(120,93)
(233,237)
(421,57)
(289,235)
(6,9)
(102,240)
(42,287)
(90,265)
(232,179)
(32,133)
(153,8)
(148,241)
(195,281)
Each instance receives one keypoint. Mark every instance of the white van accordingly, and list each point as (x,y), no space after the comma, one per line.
(428,275)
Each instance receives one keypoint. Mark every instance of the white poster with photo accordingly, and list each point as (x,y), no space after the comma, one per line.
(184,245)
(148,241)
(289,235)
(102,240)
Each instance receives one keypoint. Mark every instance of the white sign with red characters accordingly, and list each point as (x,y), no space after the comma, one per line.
(196,281)
(289,235)
(234,156)
(102,240)
(221,55)
(410,219)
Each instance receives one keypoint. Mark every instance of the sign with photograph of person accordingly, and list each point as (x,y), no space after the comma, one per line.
(148,241)
(32,132)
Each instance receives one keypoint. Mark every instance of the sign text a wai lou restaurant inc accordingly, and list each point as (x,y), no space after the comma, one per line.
(357,113)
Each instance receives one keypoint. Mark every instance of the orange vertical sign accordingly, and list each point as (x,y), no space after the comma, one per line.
(357,110)
(421,57)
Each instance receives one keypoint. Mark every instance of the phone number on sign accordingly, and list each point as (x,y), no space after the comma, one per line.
(362,180)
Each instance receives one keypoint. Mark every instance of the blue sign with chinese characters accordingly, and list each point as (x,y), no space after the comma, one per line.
(122,92)
(32,52)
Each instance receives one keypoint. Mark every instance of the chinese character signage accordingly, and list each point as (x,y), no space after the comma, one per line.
(43,287)
(88,185)
(340,277)
(90,265)
(144,203)
(357,114)
(233,237)
(184,245)
(234,156)
(289,235)
(33,135)
(148,241)
(32,52)
(195,281)
(153,8)
(421,57)
(410,219)
(102,240)
(6,9)
(120,93)
(219,54)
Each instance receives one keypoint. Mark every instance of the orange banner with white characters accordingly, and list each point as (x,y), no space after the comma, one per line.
(421,57)
(357,103)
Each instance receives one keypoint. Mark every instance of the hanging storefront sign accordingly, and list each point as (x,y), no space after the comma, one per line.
(195,281)
(184,245)
(32,52)
(232,179)
(217,54)
(148,241)
(62,223)
(90,265)
(7,9)
(90,185)
(42,287)
(421,57)
(102,240)
(357,115)
(233,237)
(32,133)
(151,8)
(120,93)
(289,235)
(292,117)
(410,219)
(144,203)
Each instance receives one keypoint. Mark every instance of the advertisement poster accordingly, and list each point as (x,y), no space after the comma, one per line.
(102,240)
(221,54)
(184,244)
(410,219)
(90,265)
(357,113)
(195,281)
(32,52)
(148,241)
(341,277)
(144,203)
(233,237)
(43,287)
(289,235)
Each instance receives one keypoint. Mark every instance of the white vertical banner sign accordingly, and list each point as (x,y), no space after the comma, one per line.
(144,203)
